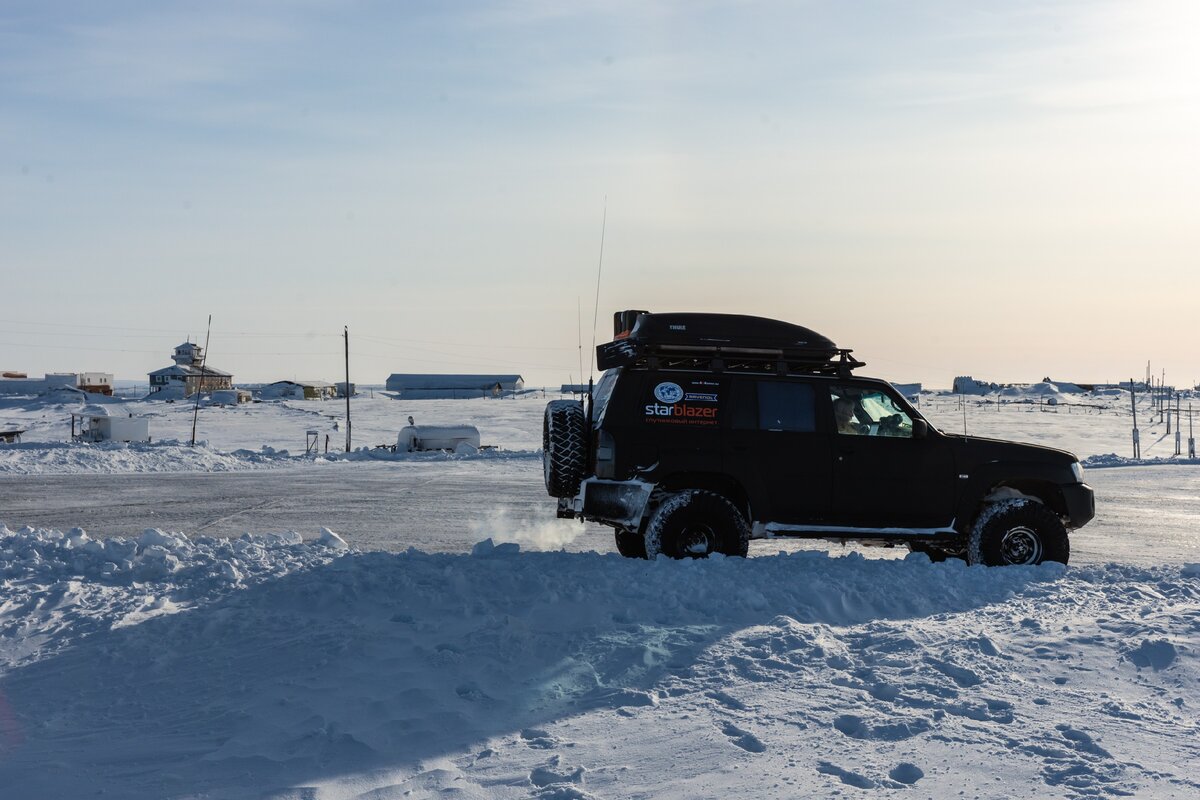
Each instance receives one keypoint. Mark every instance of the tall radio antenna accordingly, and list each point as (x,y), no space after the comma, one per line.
(599,269)
(579,332)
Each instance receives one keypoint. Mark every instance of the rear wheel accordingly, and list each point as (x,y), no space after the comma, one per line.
(1018,531)
(563,447)
(630,544)
(695,524)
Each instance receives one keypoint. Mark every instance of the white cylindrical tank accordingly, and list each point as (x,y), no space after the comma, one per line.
(457,438)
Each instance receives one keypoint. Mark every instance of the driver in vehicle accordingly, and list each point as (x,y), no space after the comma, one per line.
(843,413)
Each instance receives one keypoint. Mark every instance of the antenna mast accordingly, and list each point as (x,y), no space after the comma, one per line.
(599,269)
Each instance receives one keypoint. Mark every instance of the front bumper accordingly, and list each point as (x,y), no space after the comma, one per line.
(1081,504)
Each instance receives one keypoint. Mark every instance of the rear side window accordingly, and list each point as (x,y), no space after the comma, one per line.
(602,393)
(780,406)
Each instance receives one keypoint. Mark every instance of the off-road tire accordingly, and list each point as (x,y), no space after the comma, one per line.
(1017,531)
(564,447)
(630,544)
(694,524)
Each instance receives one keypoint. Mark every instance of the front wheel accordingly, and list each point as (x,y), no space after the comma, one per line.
(696,524)
(1016,532)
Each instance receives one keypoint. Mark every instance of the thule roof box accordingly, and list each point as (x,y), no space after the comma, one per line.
(720,342)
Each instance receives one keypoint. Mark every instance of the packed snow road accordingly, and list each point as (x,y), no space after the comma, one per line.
(1145,515)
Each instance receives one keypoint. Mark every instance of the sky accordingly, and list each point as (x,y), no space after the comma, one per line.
(1009,191)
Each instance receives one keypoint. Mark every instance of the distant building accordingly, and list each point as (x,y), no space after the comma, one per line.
(308,390)
(108,424)
(341,389)
(442,387)
(965,384)
(96,383)
(54,381)
(187,373)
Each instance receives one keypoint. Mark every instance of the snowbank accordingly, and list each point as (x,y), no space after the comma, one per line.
(270,667)
(53,458)
(1114,460)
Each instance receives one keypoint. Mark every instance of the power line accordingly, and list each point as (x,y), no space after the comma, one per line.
(474,345)
(159,351)
(153,331)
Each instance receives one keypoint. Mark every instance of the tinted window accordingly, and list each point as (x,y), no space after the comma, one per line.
(602,392)
(786,407)
(745,405)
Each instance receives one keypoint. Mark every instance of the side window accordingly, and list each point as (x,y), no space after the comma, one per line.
(745,405)
(601,394)
(786,407)
(863,411)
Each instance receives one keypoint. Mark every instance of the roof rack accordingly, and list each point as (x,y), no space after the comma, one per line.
(721,343)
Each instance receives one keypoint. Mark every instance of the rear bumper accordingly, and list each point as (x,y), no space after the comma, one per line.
(619,503)
(1081,504)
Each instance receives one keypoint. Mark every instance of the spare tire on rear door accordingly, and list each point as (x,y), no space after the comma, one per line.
(563,447)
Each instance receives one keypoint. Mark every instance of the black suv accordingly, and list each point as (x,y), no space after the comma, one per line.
(708,430)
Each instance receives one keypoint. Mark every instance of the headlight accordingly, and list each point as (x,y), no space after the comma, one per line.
(1077,471)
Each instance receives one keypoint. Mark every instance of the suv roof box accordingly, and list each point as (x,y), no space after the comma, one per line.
(758,341)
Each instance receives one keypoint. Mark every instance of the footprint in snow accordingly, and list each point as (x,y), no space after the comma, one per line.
(964,677)
(542,777)
(726,700)
(895,731)
(845,776)
(553,781)
(539,739)
(906,773)
(471,691)
(743,739)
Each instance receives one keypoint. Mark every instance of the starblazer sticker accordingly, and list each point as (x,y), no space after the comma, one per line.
(692,403)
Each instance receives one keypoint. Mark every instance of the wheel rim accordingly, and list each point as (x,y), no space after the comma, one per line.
(697,541)
(1021,545)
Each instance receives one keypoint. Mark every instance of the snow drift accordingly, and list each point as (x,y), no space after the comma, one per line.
(267,666)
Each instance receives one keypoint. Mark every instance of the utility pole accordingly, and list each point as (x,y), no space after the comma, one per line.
(199,386)
(1191,438)
(1137,446)
(346,334)
(1178,427)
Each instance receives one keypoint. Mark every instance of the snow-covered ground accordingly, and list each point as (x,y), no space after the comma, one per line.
(149,664)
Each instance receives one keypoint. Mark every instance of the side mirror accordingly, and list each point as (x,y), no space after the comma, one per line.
(920,429)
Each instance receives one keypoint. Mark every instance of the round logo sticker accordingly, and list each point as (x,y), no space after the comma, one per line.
(668,392)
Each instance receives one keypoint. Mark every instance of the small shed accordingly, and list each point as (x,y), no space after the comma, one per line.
(108,424)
